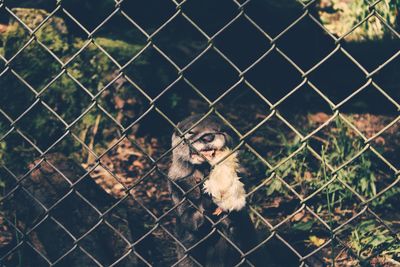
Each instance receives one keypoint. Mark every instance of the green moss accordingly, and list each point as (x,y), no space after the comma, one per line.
(122,49)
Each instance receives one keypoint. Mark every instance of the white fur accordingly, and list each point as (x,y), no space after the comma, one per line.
(224,184)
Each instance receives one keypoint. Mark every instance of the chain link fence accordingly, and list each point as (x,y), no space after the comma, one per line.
(128,247)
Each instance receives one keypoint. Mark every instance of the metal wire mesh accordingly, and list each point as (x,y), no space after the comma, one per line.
(241,78)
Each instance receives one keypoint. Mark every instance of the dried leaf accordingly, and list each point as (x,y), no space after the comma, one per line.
(138,164)
(298,216)
(119,102)
(316,241)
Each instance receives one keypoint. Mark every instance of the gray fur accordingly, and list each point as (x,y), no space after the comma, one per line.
(182,160)
(186,170)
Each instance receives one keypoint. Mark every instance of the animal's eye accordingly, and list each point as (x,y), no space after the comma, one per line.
(208,138)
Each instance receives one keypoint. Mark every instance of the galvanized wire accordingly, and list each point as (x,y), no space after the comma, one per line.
(243,137)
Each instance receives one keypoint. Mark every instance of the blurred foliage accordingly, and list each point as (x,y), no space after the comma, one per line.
(339,145)
(38,68)
(306,174)
(340,16)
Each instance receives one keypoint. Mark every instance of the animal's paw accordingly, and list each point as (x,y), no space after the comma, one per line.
(217,211)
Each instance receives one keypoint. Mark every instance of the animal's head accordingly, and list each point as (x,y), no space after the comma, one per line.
(205,139)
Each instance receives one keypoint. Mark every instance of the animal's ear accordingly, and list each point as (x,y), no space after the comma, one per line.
(178,126)
(175,138)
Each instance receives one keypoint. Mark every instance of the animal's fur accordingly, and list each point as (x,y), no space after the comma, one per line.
(224,186)
(189,166)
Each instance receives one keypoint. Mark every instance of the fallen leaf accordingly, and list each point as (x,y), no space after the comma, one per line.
(138,164)
(298,216)
(316,241)
(119,102)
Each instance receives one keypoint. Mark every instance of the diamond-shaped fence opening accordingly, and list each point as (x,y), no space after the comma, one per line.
(264,76)
(189,41)
(91,93)
(220,13)
(313,44)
